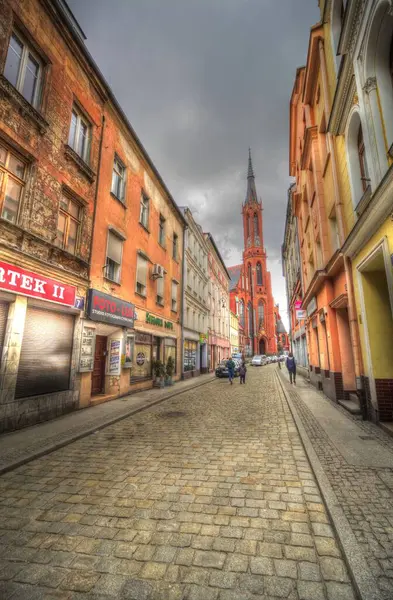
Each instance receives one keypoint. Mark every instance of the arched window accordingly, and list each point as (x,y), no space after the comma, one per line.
(250,278)
(259,274)
(261,314)
(256,225)
(249,319)
(362,159)
(241,313)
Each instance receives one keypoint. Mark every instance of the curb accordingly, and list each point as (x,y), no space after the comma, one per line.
(77,436)
(362,578)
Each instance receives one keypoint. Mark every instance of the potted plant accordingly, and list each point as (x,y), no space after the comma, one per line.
(159,372)
(170,369)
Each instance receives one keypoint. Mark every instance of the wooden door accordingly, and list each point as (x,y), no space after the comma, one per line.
(98,375)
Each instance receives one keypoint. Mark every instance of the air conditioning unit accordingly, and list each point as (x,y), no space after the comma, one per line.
(157,272)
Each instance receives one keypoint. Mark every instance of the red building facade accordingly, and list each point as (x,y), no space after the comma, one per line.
(250,287)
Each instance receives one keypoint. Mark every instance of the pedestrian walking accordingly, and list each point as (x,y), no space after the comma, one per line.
(291,366)
(231,370)
(242,372)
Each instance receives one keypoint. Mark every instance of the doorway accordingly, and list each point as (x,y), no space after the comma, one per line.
(98,375)
(262,346)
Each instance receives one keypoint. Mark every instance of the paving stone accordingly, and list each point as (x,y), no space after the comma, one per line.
(197,592)
(270,549)
(299,553)
(310,590)
(326,547)
(279,587)
(309,571)
(261,566)
(209,559)
(322,529)
(333,569)
(134,589)
(340,591)
(80,581)
(251,583)
(285,568)
(222,579)
(153,570)
(224,544)
(237,562)
(110,585)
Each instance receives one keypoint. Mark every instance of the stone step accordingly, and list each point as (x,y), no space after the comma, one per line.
(351,405)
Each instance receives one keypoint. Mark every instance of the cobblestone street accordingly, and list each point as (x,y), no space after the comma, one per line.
(208,496)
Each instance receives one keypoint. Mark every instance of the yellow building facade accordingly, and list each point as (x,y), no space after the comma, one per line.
(234,333)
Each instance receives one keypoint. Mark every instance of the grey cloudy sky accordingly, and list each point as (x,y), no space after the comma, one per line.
(201,81)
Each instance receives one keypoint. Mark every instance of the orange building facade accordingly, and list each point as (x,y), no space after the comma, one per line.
(251,295)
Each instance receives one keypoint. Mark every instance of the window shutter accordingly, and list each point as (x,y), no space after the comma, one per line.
(160,286)
(142,270)
(114,248)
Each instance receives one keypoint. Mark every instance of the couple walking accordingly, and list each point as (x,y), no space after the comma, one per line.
(231,371)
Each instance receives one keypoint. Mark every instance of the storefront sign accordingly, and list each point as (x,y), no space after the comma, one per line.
(108,309)
(301,314)
(86,361)
(26,283)
(203,338)
(114,358)
(152,320)
(312,306)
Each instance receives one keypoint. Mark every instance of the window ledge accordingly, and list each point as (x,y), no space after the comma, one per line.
(140,295)
(118,199)
(80,163)
(112,280)
(25,108)
(364,201)
(161,304)
(144,227)
(162,246)
(174,311)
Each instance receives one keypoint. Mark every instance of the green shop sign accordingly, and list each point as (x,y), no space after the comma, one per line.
(152,320)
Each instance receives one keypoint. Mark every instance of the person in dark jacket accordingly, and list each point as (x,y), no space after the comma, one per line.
(242,372)
(231,370)
(291,366)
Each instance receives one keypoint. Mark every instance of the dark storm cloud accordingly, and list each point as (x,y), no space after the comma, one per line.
(201,81)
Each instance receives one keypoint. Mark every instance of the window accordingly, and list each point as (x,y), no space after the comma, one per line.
(261,314)
(250,278)
(259,274)
(80,132)
(175,246)
(141,275)
(144,211)
(241,313)
(174,296)
(113,257)
(161,231)
(24,69)
(362,160)
(256,225)
(160,290)
(68,224)
(12,181)
(118,179)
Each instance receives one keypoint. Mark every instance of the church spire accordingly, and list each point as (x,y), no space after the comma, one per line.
(251,196)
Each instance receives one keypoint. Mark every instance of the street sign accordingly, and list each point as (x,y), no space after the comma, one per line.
(301,314)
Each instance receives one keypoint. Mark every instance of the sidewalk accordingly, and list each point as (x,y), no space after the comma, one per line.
(353,463)
(19,447)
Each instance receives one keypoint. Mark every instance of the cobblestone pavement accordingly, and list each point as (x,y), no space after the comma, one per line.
(364,493)
(208,496)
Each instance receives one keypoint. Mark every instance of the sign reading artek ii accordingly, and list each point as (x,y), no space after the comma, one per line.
(109,309)
(20,281)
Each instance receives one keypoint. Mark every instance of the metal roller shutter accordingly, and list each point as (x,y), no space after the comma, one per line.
(3,324)
(45,359)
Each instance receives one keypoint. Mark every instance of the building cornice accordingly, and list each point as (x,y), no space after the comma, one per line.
(311,133)
(343,98)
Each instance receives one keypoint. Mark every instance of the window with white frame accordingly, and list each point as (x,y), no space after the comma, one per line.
(24,69)
(118,187)
(161,231)
(160,290)
(144,211)
(68,224)
(12,182)
(175,246)
(80,134)
(113,257)
(141,275)
(174,296)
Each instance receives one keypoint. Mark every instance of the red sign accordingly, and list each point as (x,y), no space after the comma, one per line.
(19,281)
(298,304)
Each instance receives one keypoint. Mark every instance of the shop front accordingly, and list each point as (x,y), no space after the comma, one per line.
(39,342)
(156,339)
(107,348)
(191,354)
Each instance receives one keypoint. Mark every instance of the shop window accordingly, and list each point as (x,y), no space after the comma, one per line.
(24,69)
(68,224)
(142,357)
(128,350)
(190,355)
(141,275)
(175,249)
(12,182)
(170,350)
(80,134)
(144,211)
(113,257)
(118,179)
(174,296)
(161,232)
(160,290)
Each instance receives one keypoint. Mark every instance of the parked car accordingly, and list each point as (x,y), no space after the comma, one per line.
(222,369)
(237,356)
(258,360)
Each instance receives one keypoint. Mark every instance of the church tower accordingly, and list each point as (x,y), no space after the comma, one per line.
(251,289)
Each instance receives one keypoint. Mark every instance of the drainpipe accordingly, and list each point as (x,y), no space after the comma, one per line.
(97,187)
(182,289)
(353,323)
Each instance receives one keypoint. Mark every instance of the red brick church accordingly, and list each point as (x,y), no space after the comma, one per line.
(251,295)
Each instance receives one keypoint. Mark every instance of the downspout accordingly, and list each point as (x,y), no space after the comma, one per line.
(182,289)
(353,323)
(97,186)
